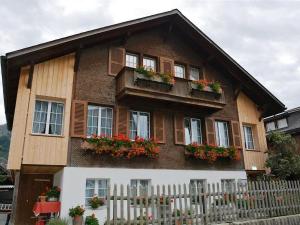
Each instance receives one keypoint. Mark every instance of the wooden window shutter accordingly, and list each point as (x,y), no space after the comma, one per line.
(122,120)
(236,135)
(159,127)
(210,131)
(116,60)
(79,118)
(166,65)
(179,129)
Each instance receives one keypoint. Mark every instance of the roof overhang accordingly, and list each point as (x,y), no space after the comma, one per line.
(13,61)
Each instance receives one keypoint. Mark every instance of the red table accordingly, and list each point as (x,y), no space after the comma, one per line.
(45,208)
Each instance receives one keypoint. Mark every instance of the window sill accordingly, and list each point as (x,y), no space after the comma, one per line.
(252,150)
(47,135)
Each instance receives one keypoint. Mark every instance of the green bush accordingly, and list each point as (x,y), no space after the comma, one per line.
(91,220)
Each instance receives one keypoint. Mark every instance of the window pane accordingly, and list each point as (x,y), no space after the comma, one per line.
(140,186)
(222,134)
(143,123)
(270,126)
(149,64)
(196,131)
(40,117)
(194,74)
(187,131)
(133,125)
(102,127)
(179,71)
(248,136)
(56,117)
(106,121)
(131,60)
(282,123)
(103,187)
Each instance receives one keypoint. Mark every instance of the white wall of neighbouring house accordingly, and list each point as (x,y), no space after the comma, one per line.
(72,181)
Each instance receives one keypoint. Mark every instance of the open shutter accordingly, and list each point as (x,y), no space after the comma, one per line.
(210,131)
(166,65)
(122,120)
(179,129)
(116,60)
(79,118)
(159,126)
(236,135)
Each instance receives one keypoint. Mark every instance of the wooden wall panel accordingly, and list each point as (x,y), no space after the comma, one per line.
(52,80)
(249,114)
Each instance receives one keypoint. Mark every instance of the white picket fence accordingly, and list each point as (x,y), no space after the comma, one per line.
(209,204)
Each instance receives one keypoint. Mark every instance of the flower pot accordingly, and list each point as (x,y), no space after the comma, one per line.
(42,198)
(77,220)
(52,199)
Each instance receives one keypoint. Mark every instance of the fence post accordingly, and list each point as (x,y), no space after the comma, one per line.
(108,206)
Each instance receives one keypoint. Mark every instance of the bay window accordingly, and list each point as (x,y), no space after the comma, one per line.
(139,125)
(48,117)
(222,137)
(99,121)
(192,131)
(248,137)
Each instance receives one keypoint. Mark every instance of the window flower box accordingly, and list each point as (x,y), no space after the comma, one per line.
(203,88)
(211,153)
(145,78)
(121,146)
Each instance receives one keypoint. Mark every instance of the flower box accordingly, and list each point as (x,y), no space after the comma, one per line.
(205,92)
(121,146)
(154,82)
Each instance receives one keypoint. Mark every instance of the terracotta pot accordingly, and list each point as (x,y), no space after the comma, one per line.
(42,198)
(77,220)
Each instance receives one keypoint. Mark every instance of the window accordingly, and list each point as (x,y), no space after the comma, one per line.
(99,120)
(131,60)
(198,182)
(192,131)
(222,137)
(139,125)
(194,73)
(228,184)
(140,186)
(48,117)
(282,123)
(96,187)
(179,71)
(149,63)
(248,136)
(270,126)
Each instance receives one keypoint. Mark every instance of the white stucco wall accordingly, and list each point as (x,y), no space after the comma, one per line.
(72,180)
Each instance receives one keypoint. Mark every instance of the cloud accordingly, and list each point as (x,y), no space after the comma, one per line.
(263,36)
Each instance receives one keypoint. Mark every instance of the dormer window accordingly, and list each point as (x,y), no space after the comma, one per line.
(149,64)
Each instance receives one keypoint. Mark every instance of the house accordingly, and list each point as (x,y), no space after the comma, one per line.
(157,76)
(287,122)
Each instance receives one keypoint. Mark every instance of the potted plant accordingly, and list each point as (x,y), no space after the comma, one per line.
(77,214)
(53,194)
(96,202)
(91,220)
(42,197)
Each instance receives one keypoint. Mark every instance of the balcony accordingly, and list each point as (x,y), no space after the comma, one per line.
(131,83)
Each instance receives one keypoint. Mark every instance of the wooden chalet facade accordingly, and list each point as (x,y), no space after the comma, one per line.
(59,93)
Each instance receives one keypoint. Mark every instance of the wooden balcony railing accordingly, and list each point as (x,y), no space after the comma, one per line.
(131,83)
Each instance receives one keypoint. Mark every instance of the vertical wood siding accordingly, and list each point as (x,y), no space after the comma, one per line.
(52,80)
(248,114)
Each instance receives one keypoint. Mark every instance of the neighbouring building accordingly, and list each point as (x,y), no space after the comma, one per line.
(58,93)
(287,122)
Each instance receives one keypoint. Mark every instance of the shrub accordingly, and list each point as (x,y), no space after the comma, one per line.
(76,211)
(91,220)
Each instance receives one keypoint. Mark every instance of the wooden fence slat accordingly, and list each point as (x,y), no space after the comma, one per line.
(201,196)
(141,198)
(152,205)
(134,194)
(122,203)
(115,210)
(234,200)
(214,210)
(108,206)
(175,203)
(128,204)
(147,205)
(186,208)
(158,204)
(191,203)
(195,201)
(170,204)
(180,204)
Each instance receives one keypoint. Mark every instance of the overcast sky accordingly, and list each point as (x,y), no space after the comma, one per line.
(262,36)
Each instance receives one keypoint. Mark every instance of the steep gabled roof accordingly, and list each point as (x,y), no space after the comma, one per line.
(13,61)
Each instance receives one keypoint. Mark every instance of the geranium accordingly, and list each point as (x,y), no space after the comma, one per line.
(96,202)
(166,77)
(214,85)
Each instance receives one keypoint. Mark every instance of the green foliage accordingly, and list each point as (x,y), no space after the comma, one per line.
(91,220)
(57,221)
(215,86)
(283,160)
(76,211)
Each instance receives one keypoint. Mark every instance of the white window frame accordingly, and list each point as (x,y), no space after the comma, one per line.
(218,134)
(96,189)
(286,123)
(138,181)
(191,134)
(48,117)
(246,135)
(138,129)
(268,128)
(147,67)
(132,55)
(99,118)
(194,68)
(175,71)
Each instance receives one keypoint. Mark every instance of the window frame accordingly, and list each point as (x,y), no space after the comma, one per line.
(99,119)
(150,58)
(271,122)
(96,190)
(277,123)
(191,133)
(184,70)
(246,137)
(134,55)
(48,117)
(138,123)
(138,181)
(199,70)
(217,133)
